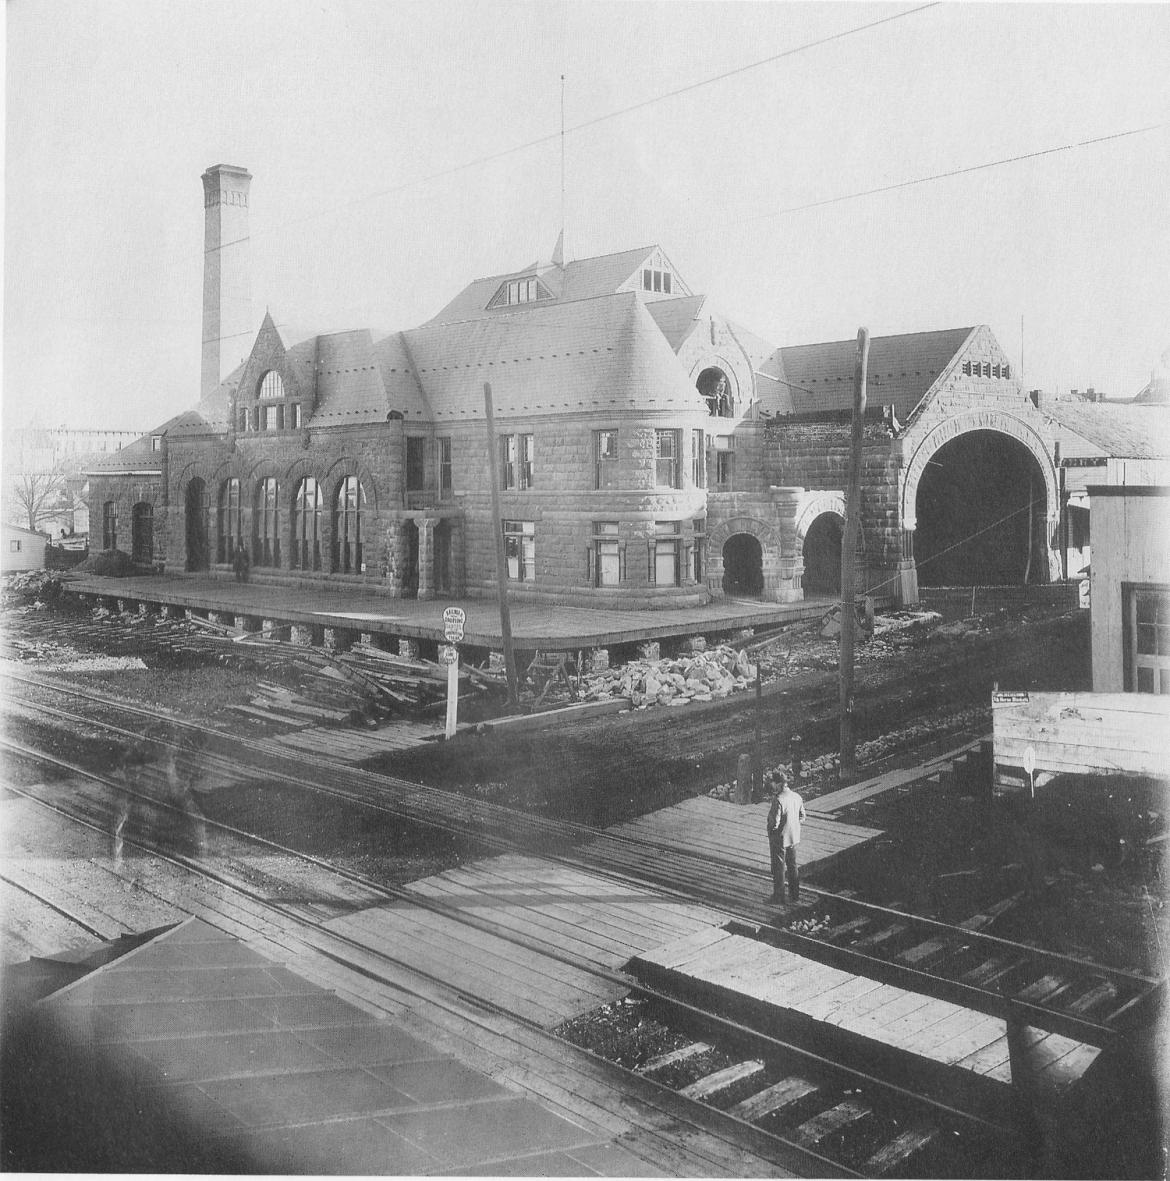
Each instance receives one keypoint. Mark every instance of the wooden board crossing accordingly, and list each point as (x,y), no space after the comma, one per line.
(723,831)
(940,1031)
(355,746)
(582,915)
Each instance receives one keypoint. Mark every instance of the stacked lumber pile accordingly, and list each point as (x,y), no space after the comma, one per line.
(356,687)
(703,676)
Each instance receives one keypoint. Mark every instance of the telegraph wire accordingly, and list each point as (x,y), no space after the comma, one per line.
(539,141)
(922,180)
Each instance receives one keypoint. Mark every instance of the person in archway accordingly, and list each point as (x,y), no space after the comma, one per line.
(241,562)
(784,820)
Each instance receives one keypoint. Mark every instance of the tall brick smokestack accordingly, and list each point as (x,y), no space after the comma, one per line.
(227,278)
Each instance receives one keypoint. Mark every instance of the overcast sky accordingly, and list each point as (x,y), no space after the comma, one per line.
(362,122)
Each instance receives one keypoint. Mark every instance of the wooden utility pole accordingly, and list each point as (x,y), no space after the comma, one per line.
(848,560)
(501,557)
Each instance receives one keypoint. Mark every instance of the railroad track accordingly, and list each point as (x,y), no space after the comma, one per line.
(1080,999)
(806,1111)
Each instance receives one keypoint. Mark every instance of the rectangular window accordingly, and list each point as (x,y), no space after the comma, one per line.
(14,547)
(156,442)
(415,463)
(295,407)
(698,459)
(666,459)
(526,458)
(520,550)
(1149,640)
(446,481)
(666,282)
(516,462)
(647,280)
(724,462)
(664,550)
(507,461)
(657,280)
(605,450)
(607,554)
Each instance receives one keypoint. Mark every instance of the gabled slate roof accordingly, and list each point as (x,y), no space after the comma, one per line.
(901,370)
(583,278)
(1120,430)
(598,354)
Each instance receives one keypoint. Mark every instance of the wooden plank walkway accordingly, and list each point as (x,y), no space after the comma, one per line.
(355,746)
(782,982)
(854,793)
(736,833)
(581,915)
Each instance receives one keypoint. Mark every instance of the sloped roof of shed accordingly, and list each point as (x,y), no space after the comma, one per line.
(596,354)
(1120,430)
(901,370)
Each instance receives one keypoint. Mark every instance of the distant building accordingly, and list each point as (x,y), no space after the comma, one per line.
(651,452)
(22,550)
(1130,588)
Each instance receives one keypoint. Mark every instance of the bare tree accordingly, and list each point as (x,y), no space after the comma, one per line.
(40,495)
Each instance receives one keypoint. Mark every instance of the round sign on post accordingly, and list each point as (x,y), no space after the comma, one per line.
(453,620)
(448,654)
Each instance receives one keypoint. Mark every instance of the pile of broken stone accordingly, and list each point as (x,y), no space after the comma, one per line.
(703,676)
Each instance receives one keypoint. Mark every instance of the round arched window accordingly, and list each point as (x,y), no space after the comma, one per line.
(271,387)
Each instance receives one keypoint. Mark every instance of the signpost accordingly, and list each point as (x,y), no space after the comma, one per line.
(453,620)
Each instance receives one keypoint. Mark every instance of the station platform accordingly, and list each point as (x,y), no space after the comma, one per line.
(547,627)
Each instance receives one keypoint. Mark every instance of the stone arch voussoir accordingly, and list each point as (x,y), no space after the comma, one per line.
(814,505)
(988,419)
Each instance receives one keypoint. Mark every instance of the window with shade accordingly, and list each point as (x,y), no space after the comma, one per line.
(230,520)
(266,524)
(110,525)
(520,550)
(347,527)
(306,525)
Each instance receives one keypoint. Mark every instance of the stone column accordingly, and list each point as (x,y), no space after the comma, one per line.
(426,557)
(907,585)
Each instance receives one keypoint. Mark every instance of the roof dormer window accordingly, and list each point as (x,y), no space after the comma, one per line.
(517,291)
(655,280)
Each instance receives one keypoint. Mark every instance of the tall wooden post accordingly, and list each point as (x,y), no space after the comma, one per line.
(849,560)
(501,557)
(757,746)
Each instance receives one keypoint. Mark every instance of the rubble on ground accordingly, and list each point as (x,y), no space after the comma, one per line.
(702,676)
(31,587)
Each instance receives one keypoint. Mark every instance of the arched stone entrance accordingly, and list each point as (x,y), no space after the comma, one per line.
(979,505)
(821,553)
(197,504)
(743,565)
(977,513)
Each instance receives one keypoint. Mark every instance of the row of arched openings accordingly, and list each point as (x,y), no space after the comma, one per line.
(275,531)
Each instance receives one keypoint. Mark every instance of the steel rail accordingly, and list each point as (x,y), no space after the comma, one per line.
(994,1002)
(891,1091)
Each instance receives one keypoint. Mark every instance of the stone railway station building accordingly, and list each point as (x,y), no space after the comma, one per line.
(651,452)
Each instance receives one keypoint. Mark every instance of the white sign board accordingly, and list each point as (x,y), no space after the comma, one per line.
(1083,599)
(453,620)
(448,654)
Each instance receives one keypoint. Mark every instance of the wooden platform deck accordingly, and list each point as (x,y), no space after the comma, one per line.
(736,833)
(552,627)
(550,906)
(819,1004)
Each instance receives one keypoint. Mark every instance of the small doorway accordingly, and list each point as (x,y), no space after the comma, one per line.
(822,555)
(743,565)
(198,513)
(142,534)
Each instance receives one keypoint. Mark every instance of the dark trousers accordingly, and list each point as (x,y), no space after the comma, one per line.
(784,865)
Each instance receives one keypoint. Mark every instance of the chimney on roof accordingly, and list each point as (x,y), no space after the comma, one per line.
(227,277)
